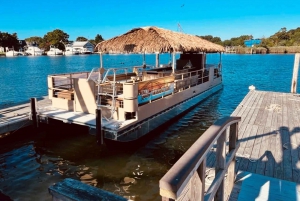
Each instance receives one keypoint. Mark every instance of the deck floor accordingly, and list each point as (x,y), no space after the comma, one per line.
(251,186)
(269,136)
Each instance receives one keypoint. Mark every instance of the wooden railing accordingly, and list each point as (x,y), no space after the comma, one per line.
(186,179)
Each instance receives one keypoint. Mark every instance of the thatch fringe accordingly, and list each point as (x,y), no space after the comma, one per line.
(154,39)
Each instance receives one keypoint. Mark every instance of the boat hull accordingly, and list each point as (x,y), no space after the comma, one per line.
(141,129)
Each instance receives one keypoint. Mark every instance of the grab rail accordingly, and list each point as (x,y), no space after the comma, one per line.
(186,179)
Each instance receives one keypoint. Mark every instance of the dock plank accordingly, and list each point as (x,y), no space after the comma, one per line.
(269,134)
(15,117)
(258,187)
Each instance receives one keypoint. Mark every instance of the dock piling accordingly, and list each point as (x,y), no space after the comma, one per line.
(99,133)
(33,112)
(295,73)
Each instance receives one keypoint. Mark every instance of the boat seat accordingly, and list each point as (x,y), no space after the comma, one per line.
(66,94)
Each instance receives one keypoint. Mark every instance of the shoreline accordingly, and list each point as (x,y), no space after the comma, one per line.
(263,50)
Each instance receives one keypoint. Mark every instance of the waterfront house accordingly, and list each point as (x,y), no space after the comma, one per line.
(22,46)
(252,42)
(84,47)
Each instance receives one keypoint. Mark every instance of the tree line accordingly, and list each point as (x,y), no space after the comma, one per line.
(57,38)
(280,38)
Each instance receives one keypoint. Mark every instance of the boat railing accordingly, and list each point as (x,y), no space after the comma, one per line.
(187,79)
(186,179)
(203,74)
(62,85)
(93,75)
(64,81)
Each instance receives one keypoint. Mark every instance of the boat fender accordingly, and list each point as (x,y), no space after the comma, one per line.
(251,87)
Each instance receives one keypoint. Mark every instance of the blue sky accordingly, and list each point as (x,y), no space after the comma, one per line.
(225,19)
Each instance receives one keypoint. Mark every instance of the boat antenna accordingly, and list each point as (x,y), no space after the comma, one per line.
(180,28)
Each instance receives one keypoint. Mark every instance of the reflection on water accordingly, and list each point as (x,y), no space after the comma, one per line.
(59,152)
(30,163)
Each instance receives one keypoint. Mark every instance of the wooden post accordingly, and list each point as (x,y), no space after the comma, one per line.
(33,112)
(71,81)
(201,172)
(220,164)
(295,73)
(157,59)
(233,137)
(99,133)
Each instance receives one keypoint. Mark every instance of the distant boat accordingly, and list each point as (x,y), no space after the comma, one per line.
(70,50)
(85,51)
(34,51)
(54,51)
(10,52)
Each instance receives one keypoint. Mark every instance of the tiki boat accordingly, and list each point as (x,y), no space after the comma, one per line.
(132,102)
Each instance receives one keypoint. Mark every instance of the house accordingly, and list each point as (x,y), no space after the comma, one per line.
(22,45)
(84,47)
(252,42)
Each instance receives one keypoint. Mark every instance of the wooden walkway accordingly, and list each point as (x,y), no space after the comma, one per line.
(269,136)
(258,187)
(16,117)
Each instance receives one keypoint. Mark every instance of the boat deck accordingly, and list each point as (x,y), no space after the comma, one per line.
(79,118)
(269,136)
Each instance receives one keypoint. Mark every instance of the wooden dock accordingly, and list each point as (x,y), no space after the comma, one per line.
(16,117)
(269,136)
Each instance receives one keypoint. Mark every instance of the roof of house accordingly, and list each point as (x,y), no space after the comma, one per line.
(154,39)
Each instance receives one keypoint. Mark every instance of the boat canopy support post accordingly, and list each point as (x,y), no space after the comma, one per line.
(157,59)
(34,113)
(295,73)
(99,133)
(173,63)
(100,77)
(101,60)
(220,62)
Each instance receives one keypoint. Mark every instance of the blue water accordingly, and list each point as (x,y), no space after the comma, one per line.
(28,165)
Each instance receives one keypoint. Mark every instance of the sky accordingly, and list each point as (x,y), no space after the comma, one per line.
(220,18)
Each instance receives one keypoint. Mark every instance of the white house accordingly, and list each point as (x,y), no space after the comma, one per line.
(84,47)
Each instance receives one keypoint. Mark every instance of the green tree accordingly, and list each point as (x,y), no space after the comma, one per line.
(56,38)
(81,38)
(227,43)
(212,39)
(98,39)
(9,40)
(34,40)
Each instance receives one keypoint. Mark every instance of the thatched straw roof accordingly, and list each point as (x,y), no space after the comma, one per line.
(154,39)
